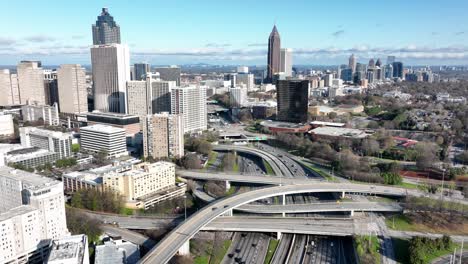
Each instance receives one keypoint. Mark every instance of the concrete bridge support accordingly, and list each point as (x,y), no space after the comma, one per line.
(185,249)
(352,213)
(228,213)
(284,203)
(228,185)
(342,195)
(278,235)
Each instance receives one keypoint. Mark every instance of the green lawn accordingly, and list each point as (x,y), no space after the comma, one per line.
(401,251)
(367,248)
(408,185)
(219,253)
(235,167)
(400,222)
(231,190)
(201,250)
(201,260)
(271,250)
(127,211)
(212,158)
(268,168)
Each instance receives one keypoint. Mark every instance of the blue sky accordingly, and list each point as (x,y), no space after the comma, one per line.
(236,32)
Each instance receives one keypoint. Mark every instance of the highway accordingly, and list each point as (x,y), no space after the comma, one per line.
(164,251)
(291,225)
(321,207)
(130,236)
(247,247)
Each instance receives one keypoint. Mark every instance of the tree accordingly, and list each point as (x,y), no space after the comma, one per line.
(191,161)
(79,223)
(392,178)
(204,147)
(229,161)
(370,146)
(462,158)
(215,188)
(427,155)
(332,115)
(101,156)
(245,115)
(75,147)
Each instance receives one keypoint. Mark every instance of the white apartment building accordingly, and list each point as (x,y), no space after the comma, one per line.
(72,89)
(237,96)
(32,212)
(246,80)
(190,102)
(163,136)
(107,138)
(31,82)
(9,88)
(142,180)
(150,96)
(242,69)
(111,71)
(7,128)
(34,112)
(286,61)
(53,141)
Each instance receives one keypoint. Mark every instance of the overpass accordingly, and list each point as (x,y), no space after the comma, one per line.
(177,240)
(276,164)
(320,208)
(243,178)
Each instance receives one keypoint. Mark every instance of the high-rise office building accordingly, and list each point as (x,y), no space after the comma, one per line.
(371,63)
(378,63)
(51,87)
(237,96)
(171,73)
(32,212)
(190,102)
(246,80)
(293,100)
(140,70)
(163,136)
(286,62)
(352,63)
(111,71)
(53,141)
(71,79)
(7,128)
(347,75)
(31,82)
(98,138)
(390,59)
(150,96)
(328,78)
(9,88)
(397,69)
(106,30)
(274,54)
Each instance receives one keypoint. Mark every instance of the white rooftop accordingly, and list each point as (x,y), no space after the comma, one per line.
(32,180)
(69,250)
(339,132)
(20,210)
(103,128)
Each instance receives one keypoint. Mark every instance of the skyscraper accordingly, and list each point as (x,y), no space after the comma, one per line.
(171,73)
(274,56)
(72,88)
(111,71)
(371,63)
(397,69)
(9,88)
(378,63)
(390,59)
(352,63)
(140,70)
(286,62)
(190,102)
(31,82)
(163,136)
(105,31)
(292,97)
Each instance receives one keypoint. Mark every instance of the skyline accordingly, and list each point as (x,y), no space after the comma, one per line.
(237,33)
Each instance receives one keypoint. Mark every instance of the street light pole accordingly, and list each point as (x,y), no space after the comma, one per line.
(185,207)
(442,190)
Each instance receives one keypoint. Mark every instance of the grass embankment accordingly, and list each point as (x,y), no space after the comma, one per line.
(433,223)
(211,159)
(231,190)
(271,250)
(402,253)
(268,168)
(127,211)
(408,185)
(319,170)
(368,248)
(219,251)
(201,250)
(235,167)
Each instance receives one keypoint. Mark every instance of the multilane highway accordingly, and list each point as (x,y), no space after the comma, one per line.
(164,251)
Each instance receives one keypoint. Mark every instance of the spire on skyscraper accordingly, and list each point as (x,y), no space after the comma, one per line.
(106,30)
(274,56)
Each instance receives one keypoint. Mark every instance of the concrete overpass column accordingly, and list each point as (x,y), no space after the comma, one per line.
(342,195)
(228,213)
(284,199)
(352,212)
(185,249)
(278,235)
(228,185)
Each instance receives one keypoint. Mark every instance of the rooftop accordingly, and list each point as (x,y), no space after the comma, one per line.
(331,124)
(27,153)
(68,249)
(338,132)
(278,124)
(111,115)
(103,128)
(113,252)
(34,181)
(45,132)
(20,210)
